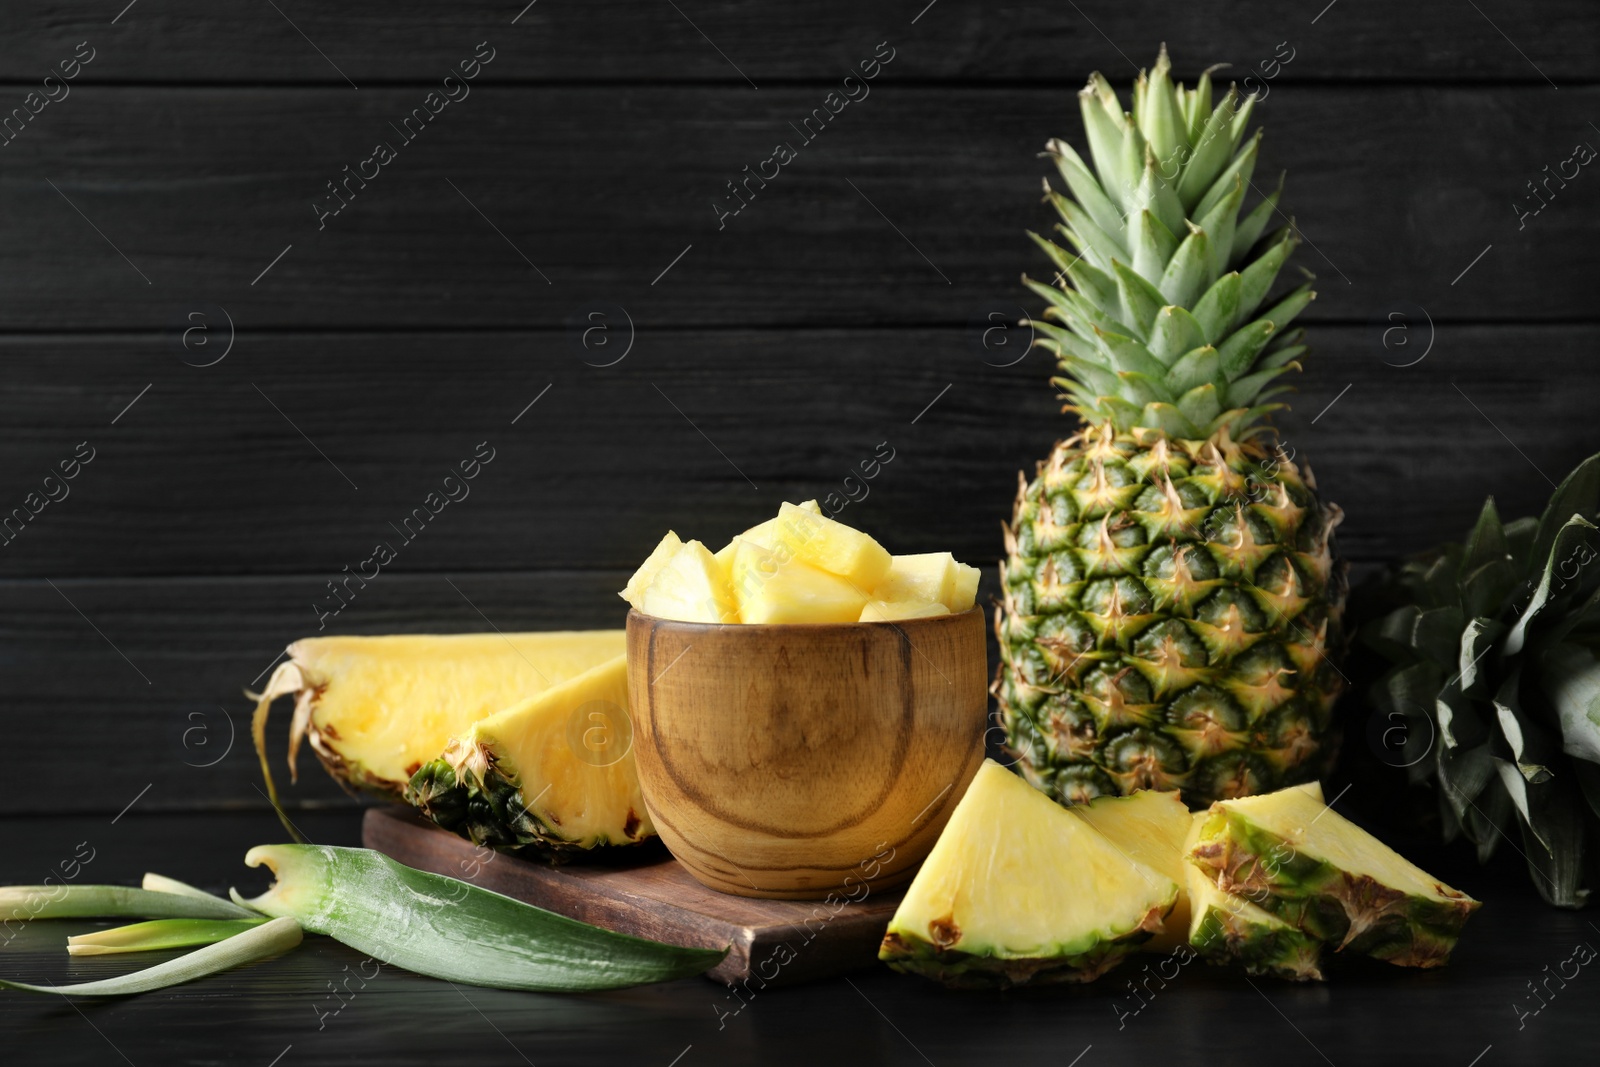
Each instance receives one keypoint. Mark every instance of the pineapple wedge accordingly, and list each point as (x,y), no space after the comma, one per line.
(554,773)
(762,533)
(925,576)
(769,534)
(1156,828)
(1149,827)
(891,610)
(1228,929)
(833,547)
(1017,889)
(375,708)
(1307,864)
(690,586)
(771,589)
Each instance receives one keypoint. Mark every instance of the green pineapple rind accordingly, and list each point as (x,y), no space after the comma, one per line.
(1355,913)
(488,810)
(1225,935)
(909,954)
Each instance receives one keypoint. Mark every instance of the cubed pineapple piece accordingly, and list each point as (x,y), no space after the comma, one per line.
(833,547)
(724,558)
(891,610)
(965,591)
(650,568)
(773,589)
(770,533)
(690,587)
(925,576)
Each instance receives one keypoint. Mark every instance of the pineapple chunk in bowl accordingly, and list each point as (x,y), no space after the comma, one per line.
(799,567)
(806,710)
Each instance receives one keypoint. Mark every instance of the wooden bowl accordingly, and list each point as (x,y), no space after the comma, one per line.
(800,761)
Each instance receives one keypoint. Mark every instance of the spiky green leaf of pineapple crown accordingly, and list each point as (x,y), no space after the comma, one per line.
(1496,681)
(1155,324)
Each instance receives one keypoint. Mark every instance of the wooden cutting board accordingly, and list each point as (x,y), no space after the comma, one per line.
(647,893)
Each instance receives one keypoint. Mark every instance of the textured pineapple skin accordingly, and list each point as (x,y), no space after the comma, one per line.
(485,805)
(1227,937)
(1171,618)
(956,969)
(486,812)
(1354,913)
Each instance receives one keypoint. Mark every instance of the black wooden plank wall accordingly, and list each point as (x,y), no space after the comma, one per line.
(251,376)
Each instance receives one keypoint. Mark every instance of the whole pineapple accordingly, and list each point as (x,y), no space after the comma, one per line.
(1171,602)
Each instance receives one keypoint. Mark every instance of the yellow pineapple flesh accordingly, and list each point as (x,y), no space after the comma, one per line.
(659,557)
(374,708)
(690,586)
(1148,827)
(554,772)
(923,576)
(893,610)
(833,547)
(965,592)
(1018,889)
(798,567)
(771,589)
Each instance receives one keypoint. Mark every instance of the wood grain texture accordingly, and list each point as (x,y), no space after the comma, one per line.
(597,191)
(798,761)
(151,674)
(203,476)
(369,40)
(770,942)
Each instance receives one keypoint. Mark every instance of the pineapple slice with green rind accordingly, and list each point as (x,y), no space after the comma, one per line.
(1313,868)
(1157,829)
(553,774)
(1019,890)
(375,708)
(1228,929)
(1150,827)
(774,589)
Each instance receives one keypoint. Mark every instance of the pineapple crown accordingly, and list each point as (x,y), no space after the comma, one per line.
(1155,312)
(1495,684)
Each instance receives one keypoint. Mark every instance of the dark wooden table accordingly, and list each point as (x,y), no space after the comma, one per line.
(282,1012)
